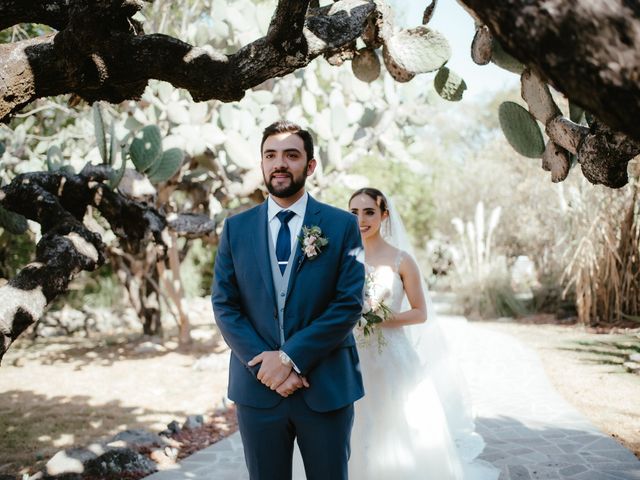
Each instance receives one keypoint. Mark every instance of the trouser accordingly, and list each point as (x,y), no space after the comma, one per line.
(268,435)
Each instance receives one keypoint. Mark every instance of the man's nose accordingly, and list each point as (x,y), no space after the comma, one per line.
(279,160)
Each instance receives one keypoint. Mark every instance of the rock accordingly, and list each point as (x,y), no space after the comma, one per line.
(632,367)
(149,347)
(165,457)
(18,362)
(635,357)
(119,463)
(193,422)
(137,439)
(172,429)
(70,460)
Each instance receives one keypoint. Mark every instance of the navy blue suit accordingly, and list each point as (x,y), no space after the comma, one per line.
(324,302)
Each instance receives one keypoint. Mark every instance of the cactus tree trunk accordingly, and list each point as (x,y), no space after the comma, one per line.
(587,49)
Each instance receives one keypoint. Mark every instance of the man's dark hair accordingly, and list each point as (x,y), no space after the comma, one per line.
(285,126)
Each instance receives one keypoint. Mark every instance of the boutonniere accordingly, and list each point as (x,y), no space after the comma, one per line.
(312,241)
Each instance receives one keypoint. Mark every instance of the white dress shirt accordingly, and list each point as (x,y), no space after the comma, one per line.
(295,224)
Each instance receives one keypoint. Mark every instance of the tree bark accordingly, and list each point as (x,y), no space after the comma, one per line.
(587,49)
(58,202)
(101,53)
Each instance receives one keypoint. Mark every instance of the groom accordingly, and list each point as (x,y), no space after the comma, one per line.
(286,300)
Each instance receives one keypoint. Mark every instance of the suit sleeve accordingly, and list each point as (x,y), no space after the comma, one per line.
(311,344)
(236,329)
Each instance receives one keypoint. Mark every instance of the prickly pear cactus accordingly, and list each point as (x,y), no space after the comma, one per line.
(418,50)
(99,128)
(146,148)
(504,60)
(398,73)
(576,113)
(521,130)
(449,85)
(167,166)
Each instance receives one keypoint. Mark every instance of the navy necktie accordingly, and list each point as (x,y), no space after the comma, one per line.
(283,243)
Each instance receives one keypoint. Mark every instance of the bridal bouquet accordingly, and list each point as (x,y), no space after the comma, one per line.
(374,310)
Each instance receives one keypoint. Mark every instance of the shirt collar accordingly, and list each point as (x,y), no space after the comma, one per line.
(298,208)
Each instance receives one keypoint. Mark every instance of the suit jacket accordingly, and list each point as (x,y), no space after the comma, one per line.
(324,302)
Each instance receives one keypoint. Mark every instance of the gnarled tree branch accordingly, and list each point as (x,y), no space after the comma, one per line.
(102,54)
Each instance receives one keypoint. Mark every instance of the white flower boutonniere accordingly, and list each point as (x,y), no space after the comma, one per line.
(312,241)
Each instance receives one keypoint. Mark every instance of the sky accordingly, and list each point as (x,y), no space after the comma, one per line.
(451,20)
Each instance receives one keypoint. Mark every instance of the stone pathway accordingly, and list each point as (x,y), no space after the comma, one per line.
(530,431)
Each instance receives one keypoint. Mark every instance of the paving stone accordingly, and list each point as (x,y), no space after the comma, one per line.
(572,470)
(595,475)
(569,447)
(531,432)
(550,450)
(518,472)
(519,451)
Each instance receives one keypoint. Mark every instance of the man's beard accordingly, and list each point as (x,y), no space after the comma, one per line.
(285,192)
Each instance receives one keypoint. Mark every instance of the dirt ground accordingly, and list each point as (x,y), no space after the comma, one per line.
(59,393)
(586,369)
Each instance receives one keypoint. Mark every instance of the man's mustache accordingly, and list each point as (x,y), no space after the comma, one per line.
(280,172)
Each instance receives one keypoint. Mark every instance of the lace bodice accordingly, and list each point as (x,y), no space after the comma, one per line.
(388,280)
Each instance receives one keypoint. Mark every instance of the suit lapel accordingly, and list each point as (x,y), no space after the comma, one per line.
(311,217)
(262,250)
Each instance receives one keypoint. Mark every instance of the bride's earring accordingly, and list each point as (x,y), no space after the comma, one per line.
(385,228)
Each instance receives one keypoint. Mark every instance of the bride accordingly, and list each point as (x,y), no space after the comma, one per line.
(401,429)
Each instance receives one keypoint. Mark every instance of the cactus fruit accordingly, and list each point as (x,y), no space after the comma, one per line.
(449,85)
(366,65)
(418,50)
(521,130)
(481,47)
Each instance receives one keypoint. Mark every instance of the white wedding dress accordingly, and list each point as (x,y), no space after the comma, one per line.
(401,430)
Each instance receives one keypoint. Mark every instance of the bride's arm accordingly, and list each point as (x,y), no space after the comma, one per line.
(412,281)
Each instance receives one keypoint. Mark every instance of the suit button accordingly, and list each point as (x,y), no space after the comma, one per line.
(282,294)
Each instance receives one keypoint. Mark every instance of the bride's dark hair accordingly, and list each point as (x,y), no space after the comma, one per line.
(375,194)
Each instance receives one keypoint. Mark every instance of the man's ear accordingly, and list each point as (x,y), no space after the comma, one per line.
(311,166)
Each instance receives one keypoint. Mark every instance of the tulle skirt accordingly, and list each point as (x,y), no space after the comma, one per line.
(401,430)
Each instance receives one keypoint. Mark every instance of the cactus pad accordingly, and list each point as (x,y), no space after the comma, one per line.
(449,85)
(418,50)
(146,148)
(521,130)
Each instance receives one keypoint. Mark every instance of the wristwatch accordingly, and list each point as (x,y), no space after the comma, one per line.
(284,359)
